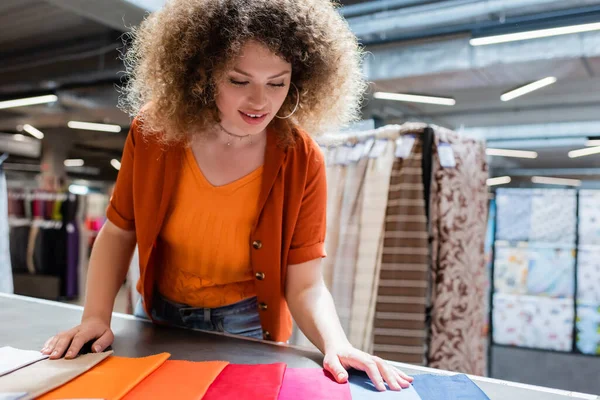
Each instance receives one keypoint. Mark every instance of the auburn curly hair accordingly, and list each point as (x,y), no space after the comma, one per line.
(179,53)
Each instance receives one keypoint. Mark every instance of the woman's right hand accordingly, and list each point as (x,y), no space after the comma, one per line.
(91,328)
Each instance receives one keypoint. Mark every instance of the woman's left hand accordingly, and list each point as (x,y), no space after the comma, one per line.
(339,360)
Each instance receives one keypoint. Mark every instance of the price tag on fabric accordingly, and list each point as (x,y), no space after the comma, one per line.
(378,148)
(404,146)
(446,154)
(342,155)
(368,146)
(357,152)
(331,156)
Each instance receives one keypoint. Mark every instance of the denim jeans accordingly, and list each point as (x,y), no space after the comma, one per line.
(237,319)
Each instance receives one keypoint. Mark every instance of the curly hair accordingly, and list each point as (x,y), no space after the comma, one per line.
(179,53)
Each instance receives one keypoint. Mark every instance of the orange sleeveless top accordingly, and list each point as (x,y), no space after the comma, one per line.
(204,244)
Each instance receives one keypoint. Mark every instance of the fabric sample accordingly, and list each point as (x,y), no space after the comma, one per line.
(588,274)
(455,387)
(508,320)
(459,202)
(175,379)
(6,277)
(43,376)
(400,328)
(110,380)
(553,216)
(368,266)
(362,388)
(510,269)
(588,328)
(589,217)
(551,271)
(247,382)
(12,359)
(344,266)
(312,384)
(514,214)
(533,321)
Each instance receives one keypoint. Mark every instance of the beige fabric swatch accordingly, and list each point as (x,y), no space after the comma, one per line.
(46,375)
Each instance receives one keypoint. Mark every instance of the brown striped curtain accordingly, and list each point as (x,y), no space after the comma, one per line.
(400,331)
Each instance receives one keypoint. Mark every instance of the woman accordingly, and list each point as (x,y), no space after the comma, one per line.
(220,187)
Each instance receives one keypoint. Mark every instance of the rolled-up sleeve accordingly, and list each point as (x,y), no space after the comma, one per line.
(308,240)
(120,209)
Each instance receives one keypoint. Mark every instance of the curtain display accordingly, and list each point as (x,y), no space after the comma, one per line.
(6,278)
(400,329)
(459,206)
(407,216)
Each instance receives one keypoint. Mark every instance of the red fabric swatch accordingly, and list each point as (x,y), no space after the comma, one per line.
(312,384)
(112,379)
(181,380)
(247,382)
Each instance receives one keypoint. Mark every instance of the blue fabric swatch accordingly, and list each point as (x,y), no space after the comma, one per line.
(455,387)
(362,388)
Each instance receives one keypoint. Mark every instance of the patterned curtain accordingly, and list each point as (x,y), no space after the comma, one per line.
(459,205)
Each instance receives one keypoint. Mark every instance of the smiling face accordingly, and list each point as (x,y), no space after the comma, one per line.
(253,90)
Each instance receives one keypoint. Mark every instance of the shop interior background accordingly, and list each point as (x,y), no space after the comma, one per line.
(70,49)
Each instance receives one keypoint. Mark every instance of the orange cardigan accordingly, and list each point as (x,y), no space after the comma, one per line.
(290,227)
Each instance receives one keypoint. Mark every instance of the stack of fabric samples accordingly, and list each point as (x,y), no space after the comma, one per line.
(29,375)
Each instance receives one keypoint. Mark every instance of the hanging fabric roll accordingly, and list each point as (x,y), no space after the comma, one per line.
(458,222)
(400,329)
(366,278)
(6,278)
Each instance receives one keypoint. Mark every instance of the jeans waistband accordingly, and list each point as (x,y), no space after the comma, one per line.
(165,307)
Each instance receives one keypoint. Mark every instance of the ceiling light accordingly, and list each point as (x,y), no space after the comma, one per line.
(511,153)
(33,132)
(19,138)
(513,94)
(79,189)
(30,101)
(411,98)
(592,143)
(555,181)
(116,164)
(76,162)
(584,152)
(88,126)
(501,180)
(535,34)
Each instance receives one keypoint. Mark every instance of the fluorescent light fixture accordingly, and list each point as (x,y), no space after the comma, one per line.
(19,138)
(411,98)
(501,180)
(584,152)
(555,181)
(88,126)
(513,94)
(116,164)
(33,132)
(76,162)
(511,153)
(79,189)
(29,101)
(536,34)
(592,143)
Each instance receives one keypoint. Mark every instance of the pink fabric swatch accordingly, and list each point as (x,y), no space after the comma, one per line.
(312,384)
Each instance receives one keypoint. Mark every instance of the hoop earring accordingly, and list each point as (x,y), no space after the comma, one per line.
(297,103)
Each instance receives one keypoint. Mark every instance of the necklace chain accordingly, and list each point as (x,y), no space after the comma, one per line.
(235,136)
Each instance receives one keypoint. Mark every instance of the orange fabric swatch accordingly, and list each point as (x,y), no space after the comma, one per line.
(181,380)
(112,379)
